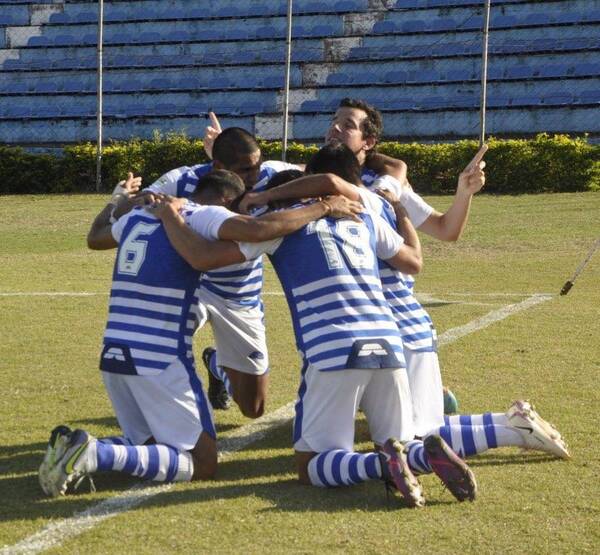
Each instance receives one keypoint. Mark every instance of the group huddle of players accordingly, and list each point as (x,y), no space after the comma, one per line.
(341,234)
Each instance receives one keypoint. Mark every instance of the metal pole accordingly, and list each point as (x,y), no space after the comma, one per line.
(286,94)
(99,97)
(484,66)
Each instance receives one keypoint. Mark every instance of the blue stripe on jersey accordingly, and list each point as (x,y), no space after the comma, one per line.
(151,299)
(299,407)
(206,420)
(241,283)
(312,280)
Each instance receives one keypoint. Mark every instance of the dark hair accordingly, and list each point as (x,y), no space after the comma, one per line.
(232,143)
(219,184)
(372,125)
(338,159)
(283,177)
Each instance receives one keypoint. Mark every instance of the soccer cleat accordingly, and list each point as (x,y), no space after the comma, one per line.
(78,454)
(217,392)
(397,474)
(535,431)
(450,468)
(59,437)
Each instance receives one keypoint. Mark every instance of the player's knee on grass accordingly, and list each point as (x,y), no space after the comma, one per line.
(302,460)
(204,455)
(249,392)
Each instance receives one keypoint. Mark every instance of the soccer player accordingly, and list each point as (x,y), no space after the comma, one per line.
(146,361)
(230,298)
(521,426)
(352,354)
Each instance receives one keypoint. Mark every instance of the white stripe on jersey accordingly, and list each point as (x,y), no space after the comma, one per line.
(332,327)
(141,321)
(159,308)
(148,290)
(357,295)
(335,313)
(345,342)
(335,281)
(141,338)
(151,355)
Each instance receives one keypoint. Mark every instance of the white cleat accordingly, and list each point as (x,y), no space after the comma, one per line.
(59,437)
(536,432)
(74,463)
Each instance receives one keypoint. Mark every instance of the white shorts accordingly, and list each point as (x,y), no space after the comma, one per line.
(239,333)
(171,407)
(328,401)
(426,390)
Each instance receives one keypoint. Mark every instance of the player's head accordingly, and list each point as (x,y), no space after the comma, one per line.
(218,188)
(236,150)
(335,157)
(358,125)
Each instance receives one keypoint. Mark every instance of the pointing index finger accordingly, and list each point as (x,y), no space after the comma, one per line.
(214,121)
(474,163)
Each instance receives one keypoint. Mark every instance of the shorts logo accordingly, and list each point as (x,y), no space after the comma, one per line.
(372,349)
(114,353)
(256,355)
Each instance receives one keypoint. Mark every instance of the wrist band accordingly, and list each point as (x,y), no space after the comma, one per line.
(118,193)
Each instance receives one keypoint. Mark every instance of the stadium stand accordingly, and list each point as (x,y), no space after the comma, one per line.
(167,63)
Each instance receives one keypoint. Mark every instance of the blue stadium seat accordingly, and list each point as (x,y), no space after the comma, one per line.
(537,19)
(220,82)
(324,30)
(413,26)
(497,101)
(19,112)
(407,4)
(459,75)
(553,70)
(463,101)
(433,102)
(494,73)
(398,104)
(265,32)
(558,98)
(45,87)
(64,40)
(585,69)
(520,72)
(273,81)
(474,23)
(568,17)
(395,76)
(39,41)
(84,17)
(359,53)
(503,21)
(443,24)
(525,100)
(589,97)
(350,6)
(314,106)
(384,27)
(14,64)
(115,15)
(59,18)
(228,11)
(89,39)
(18,88)
(591,16)
(339,79)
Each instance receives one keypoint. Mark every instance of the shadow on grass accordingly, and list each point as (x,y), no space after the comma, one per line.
(511,459)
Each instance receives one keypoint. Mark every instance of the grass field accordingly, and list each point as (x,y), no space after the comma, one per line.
(513,247)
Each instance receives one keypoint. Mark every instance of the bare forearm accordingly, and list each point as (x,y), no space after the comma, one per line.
(100,237)
(318,185)
(271,226)
(449,226)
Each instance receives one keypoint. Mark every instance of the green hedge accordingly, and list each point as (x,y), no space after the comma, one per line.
(544,164)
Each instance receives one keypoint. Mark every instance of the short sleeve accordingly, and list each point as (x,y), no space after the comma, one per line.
(254,250)
(118,227)
(388,242)
(167,183)
(207,220)
(416,208)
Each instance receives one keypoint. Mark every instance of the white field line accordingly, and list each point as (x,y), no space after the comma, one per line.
(56,533)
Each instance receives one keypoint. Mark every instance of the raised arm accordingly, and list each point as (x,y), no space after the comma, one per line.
(382,164)
(284,222)
(450,225)
(200,253)
(308,186)
(100,235)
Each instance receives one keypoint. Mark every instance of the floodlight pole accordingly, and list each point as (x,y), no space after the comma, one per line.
(99,97)
(484,66)
(286,94)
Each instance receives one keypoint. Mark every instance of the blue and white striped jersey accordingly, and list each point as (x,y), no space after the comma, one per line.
(151,316)
(330,276)
(182,182)
(238,284)
(413,321)
(241,283)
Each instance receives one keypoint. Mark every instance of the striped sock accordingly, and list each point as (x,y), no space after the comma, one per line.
(343,468)
(160,463)
(219,373)
(485,419)
(115,440)
(467,440)
(417,457)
